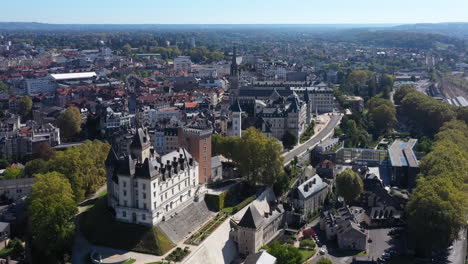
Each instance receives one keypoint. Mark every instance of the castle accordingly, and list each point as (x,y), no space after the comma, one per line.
(145,188)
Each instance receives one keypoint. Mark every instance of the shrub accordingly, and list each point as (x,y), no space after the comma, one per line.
(308,243)
(308,233)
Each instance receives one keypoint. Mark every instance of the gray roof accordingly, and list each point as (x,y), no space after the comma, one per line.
(311,187)
(251,218)
(215,162)
(261,257)
(401,154)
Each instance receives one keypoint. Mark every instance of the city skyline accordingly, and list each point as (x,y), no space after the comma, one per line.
(242,12)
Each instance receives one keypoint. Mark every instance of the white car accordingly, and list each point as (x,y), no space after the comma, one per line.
(322,251)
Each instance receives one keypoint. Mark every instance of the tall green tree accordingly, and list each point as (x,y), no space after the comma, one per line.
(285,254)
(257,156)
(52,209)
(69,122)
(436,213)
(382,114)
(289,139)
(349,185)
(25,106)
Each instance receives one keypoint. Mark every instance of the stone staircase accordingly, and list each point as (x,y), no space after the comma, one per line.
(186,221)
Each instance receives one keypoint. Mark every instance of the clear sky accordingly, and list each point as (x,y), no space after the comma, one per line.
(233,11)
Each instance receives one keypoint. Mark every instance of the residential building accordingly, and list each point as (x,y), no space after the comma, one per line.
(344,225)
(310,195)
(36,86)
(145,188)
(15,189)
(319,99)
(183,64)
(282,114)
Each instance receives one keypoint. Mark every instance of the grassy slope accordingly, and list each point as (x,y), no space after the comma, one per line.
(99,227)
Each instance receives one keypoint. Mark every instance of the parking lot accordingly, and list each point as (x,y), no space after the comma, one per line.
(380,242)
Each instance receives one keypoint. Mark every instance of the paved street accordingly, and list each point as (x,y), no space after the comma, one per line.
(458,252)
(299,151)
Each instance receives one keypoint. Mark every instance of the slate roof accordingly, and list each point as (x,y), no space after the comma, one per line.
(311,187)
(140,139)
(235,107)
(251,218)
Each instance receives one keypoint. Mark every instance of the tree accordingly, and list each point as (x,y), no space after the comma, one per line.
(289,139)
(69,122)
(285,254)
(127,50)
(257,156)
(349,185)
(436,213)
(281,184)
(35,166)
(83,166)
(4,87)
(17,248)
(25,106)
(324,261)
(383,117)
(52,209)
(12,173)
(44,151)
(401,92)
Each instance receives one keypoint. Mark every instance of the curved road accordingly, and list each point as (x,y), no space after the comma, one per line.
(301,150)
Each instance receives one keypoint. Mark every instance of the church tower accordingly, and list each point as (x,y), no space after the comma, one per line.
(236,118)
(234,79)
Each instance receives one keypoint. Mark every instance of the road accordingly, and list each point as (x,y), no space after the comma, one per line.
(458,252)
(299,151)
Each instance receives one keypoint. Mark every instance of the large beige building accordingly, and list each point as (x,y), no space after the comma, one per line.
(145,188)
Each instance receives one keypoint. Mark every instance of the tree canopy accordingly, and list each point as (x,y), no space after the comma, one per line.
(25,106)
(437,207)
(285,254)
(436,213)
(52,209)
(257,156)
(69,122)
(349,185)
(382,114)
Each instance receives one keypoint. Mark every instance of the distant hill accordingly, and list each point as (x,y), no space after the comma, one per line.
(449,29)
(400,38)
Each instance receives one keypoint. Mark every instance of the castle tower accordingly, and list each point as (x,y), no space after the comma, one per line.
(141,145)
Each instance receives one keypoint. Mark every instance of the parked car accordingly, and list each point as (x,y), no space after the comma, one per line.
(322,251)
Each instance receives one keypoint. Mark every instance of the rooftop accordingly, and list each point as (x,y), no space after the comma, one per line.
(401,154)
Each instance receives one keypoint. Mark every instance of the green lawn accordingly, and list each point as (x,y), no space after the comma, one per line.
(130,261)
(306,253)
(99,227)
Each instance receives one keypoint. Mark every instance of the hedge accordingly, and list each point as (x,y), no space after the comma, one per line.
(216,201)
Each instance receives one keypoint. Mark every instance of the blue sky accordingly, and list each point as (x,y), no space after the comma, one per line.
(233,11)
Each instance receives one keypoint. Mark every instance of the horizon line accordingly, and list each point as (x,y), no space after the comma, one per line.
(240,24)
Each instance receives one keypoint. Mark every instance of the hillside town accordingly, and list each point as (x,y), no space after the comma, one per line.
(180,153)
